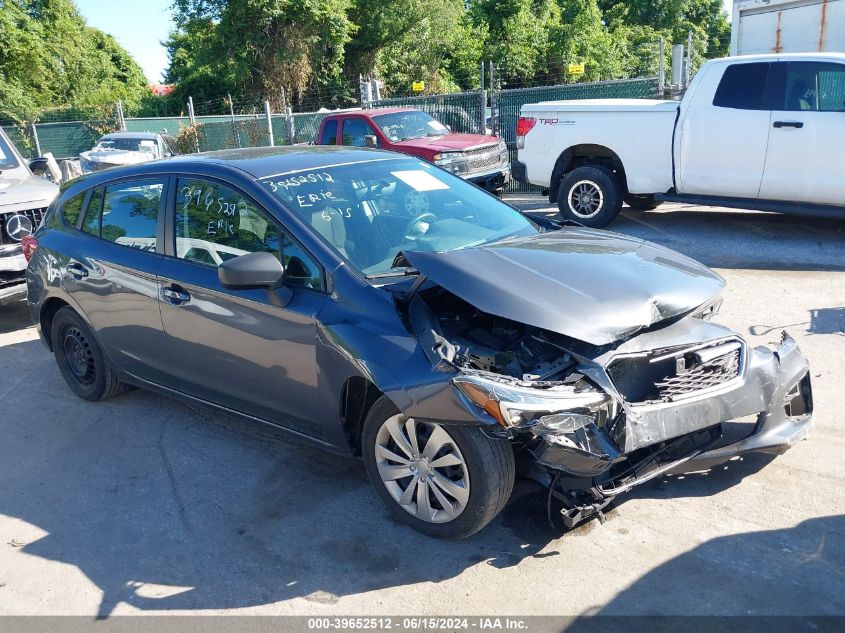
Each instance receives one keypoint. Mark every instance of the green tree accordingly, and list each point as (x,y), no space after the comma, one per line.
(256,46)
(49,57)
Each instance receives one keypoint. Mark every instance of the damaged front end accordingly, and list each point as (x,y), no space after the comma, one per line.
(600,419)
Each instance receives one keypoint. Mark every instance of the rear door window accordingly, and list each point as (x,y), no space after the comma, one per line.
(743,87)
(126,213)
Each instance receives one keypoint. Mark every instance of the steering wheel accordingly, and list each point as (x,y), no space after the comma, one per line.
(415,229)
(416,202)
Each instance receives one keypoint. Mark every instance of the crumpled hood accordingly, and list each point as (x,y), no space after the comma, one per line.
(101,159)
(449,142)
(594,286)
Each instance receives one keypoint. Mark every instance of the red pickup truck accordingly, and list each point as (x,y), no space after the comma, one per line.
(481,159)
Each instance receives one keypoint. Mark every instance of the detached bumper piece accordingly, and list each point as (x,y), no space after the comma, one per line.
(590,466)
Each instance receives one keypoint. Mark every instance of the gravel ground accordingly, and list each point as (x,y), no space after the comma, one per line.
(145,504)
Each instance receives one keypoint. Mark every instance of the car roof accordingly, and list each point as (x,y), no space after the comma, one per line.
(263,162)
(768,57)
(147,136)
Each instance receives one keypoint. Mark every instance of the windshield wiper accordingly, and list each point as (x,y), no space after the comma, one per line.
(405,271)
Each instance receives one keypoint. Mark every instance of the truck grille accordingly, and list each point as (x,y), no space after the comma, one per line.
(486,157)
(35,217)
(675,373)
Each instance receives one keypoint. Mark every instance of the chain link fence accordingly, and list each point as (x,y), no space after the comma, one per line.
(465,112)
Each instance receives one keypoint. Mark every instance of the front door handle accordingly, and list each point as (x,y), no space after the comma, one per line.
(175,294)
(76,270)
(795,124)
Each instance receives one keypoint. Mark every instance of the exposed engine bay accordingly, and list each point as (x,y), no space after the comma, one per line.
(478,341)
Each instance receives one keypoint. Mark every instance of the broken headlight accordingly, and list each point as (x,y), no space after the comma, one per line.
(520,407)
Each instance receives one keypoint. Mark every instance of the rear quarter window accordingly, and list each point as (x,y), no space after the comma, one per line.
(328,136)
(72,209)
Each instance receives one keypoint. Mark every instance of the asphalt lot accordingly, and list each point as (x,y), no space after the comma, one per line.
(144,504)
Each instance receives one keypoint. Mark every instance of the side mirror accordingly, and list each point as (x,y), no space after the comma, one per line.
(39,166)
(253,270)
(371,140)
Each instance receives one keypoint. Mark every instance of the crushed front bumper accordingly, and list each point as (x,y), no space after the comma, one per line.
(775,387)
(492,180)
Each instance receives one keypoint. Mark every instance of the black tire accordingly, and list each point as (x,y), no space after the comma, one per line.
(81,361)
(490,465)
(601,191)
(641,203)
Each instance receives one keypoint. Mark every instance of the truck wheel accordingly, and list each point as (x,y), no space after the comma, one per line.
(445,481)
(590,195)
(641,203)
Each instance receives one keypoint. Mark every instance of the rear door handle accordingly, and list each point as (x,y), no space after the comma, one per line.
(76,270)
(175,294)
(795,124)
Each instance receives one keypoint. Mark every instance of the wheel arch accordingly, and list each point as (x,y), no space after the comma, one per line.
(45,318)
(585,154)
(357,397)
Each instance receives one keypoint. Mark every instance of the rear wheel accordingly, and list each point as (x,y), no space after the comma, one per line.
(81,361)
(590,195)
(641,203)
(445,481)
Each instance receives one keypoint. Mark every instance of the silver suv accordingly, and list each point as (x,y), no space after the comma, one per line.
(23,203)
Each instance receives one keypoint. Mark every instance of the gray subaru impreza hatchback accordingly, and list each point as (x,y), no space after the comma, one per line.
(380,306)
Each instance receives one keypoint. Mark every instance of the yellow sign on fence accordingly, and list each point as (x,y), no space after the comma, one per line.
(418,86)
(575,69)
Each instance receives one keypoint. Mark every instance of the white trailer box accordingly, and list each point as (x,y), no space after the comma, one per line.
(788,26)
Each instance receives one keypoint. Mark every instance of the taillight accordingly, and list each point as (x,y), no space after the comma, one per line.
(28,246)
(523,127)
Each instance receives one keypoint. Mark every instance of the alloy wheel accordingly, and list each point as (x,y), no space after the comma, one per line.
(422,468)
(585,199)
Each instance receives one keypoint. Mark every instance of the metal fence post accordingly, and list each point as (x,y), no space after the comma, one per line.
(688,68)
(289,131)
(482,95)
(35,138)
(121,122)
(235,138)
(269,122)
(494,105)
(661,69)
(191,110)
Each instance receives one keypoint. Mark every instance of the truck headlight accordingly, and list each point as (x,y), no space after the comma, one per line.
(450,161)
(519,407)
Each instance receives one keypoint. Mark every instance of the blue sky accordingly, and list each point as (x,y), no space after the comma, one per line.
(141,25)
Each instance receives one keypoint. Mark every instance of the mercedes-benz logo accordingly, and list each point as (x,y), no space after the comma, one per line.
(18,227)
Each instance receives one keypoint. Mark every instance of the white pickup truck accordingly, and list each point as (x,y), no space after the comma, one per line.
(763,132)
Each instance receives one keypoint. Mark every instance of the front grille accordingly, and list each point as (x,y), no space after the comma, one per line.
(674,373)
(35,216)
(484,157)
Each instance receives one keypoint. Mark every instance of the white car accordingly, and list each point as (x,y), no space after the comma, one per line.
(761,132)
(126,148)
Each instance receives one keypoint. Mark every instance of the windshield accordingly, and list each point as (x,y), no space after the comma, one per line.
(403,126)
(7,156)
(372,211)
(127,144)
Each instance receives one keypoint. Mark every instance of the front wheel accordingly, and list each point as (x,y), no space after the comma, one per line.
(590,195)
(444,481)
